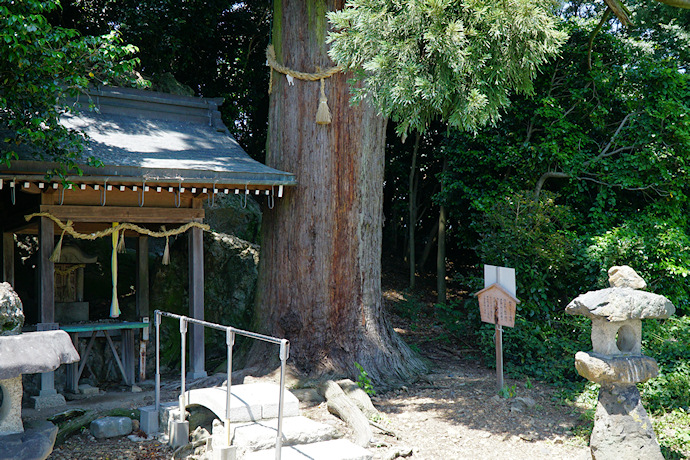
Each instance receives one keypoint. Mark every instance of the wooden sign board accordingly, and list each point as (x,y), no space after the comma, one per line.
(497,306)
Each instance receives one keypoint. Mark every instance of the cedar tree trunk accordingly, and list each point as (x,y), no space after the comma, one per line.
(320,271)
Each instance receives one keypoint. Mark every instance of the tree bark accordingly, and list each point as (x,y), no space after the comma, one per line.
(320,271)
(441,257)
(441,254)
(412,207)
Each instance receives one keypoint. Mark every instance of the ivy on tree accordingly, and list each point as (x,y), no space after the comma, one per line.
(41,65)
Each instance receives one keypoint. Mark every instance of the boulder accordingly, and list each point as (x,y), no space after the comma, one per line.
(624,276)
(620,304)
(111,427)
(11,311)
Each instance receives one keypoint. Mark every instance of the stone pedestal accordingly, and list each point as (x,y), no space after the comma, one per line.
(622,428)
(11,407)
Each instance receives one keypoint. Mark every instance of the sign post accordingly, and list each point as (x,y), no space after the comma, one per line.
(497,304)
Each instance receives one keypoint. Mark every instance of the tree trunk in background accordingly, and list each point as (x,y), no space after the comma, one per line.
(412,206)
(441,256)
(320,271)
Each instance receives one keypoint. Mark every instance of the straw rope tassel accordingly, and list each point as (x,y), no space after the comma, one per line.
(323,114)
(57,252)
(166,252)
(121,243)
(114,305)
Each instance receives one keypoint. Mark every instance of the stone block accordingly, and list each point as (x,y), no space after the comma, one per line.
(47,400)
(148,420)
(11,407)
(87,389)
(71,312)
(179,434)
(339,449)
(111,427)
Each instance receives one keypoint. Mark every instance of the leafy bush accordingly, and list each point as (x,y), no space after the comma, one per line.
(667,342)
(658,248)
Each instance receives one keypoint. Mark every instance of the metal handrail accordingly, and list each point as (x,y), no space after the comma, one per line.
(230,341)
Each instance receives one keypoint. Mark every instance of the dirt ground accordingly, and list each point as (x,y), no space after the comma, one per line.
(452,413)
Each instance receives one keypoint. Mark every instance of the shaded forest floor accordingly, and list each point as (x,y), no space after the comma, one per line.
(454,412)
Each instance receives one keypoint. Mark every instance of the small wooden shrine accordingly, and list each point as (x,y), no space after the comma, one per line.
(162,156)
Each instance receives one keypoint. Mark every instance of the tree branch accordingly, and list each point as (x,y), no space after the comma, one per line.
(605,153)
(544,177)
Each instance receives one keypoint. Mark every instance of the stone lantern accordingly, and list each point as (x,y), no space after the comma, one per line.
(622,428)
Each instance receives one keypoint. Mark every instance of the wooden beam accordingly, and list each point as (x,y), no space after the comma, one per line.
(135,215)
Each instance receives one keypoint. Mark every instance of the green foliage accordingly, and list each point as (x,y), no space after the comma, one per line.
(458,61)
(39,66)
(539,349)
(363,380)
(667,342)
(214,47)
(507,391)
(673,434)
(655,245)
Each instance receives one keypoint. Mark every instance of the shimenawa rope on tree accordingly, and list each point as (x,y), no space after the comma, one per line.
(323,114)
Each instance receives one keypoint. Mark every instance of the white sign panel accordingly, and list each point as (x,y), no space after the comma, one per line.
(504,276)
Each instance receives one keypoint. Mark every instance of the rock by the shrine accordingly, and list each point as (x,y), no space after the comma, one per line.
(625,276)
(35,443)
(607,370)
(620,304)
(11,311)
(111,427)
(622,428)
(35,352)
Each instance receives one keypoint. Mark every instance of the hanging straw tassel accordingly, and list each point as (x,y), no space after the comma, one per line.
(323,115)
(166,252)
(121,244)
(114,305)
(57,252)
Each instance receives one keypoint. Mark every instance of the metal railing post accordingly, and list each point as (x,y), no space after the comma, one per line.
(183,367)
(157,323)
(284,355)
(230,341)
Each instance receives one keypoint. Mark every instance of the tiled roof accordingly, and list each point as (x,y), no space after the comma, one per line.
(159,137)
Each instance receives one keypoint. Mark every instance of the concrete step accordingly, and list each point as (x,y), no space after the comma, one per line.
(338,449)
(250,402)
(262,434)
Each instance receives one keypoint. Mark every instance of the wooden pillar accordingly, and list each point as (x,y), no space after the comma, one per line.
(142,296)
(8,258)
(142,301)
(46,272)
(196,302)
